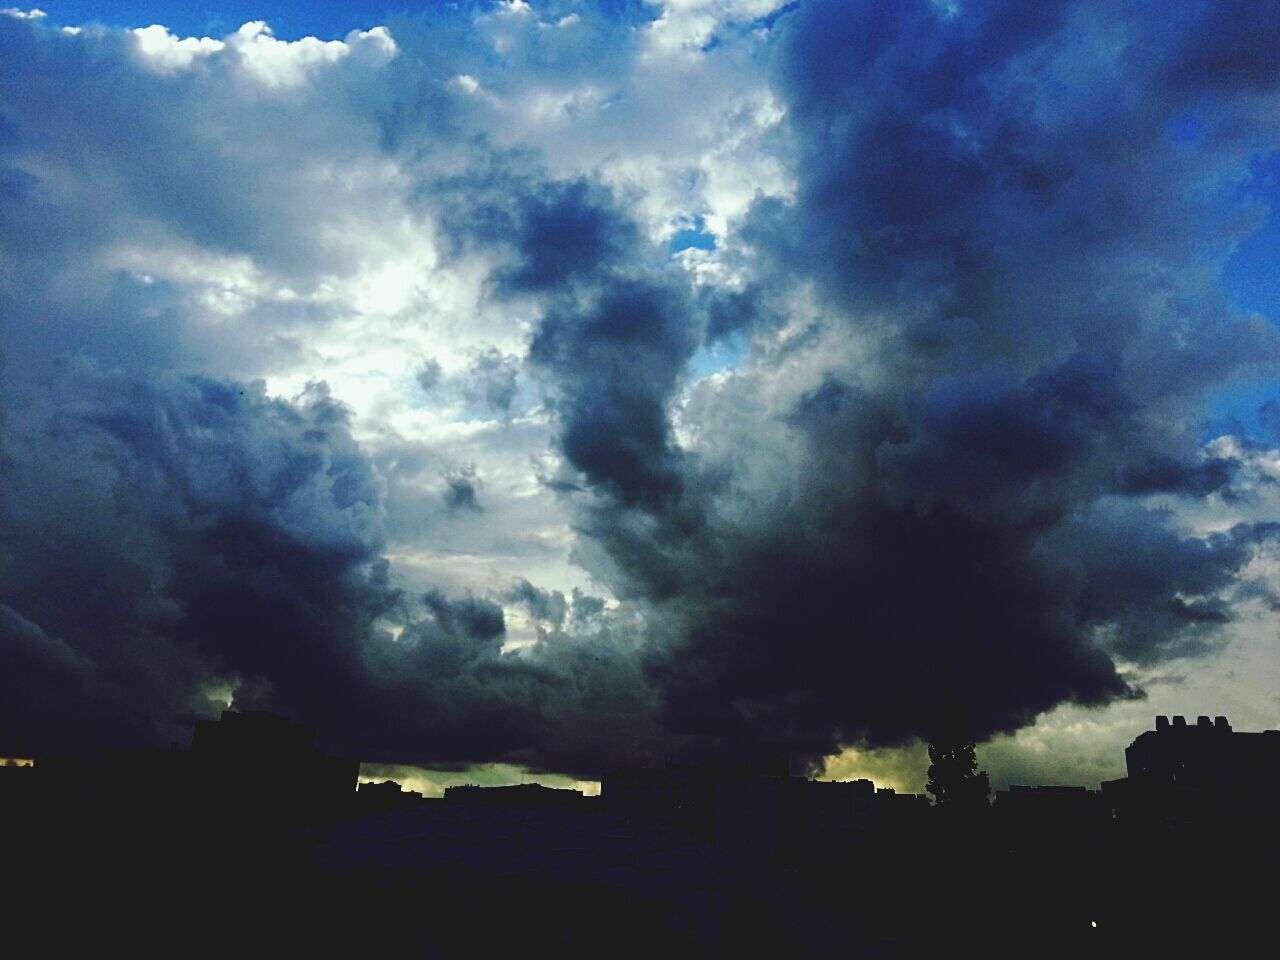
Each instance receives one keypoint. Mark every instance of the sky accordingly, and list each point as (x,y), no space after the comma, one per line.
(517,389)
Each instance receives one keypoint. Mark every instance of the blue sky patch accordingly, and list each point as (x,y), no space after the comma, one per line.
(695,238)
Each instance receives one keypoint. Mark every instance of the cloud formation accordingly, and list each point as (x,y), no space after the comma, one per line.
(359,381)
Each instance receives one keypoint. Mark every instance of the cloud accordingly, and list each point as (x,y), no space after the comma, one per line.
(615,364)
(493,380)
(165,52)
(184,534)
(45,686)
(279,63)
(460,489)
(962,297)
(253,49)
(999,358)
(428,374)
(546,605)
(176,531)
(433,783)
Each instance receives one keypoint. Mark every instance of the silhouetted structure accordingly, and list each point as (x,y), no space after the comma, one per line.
(263,762)
(898,812)
(760,815)
(17,788)
(243,764)
(1196,779)
(1056,804)
(257,826)
(514,795)
(1207,753)
(1051,821)
(387,795)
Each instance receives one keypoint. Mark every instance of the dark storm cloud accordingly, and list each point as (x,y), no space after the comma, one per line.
(178,532)
(851,614)
(555,611)
(564,233)
(1002,198)
(553,233)
(728,313)
(546,605)
(1166,475)
(44,688)
(1231,48)
(1155,590)
(615,363)
(1002,182)
(169,538)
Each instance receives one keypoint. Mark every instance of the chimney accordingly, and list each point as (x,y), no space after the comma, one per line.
(1162,723)
(1203,723)
(1221,724)
(1179,721)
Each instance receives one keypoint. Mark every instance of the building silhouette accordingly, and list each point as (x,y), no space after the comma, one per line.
(1198,779)
(1055,804)
(520,795)
(256,825)
(1210,753)
(263,762)
(900,812)
(387,795)
(762,815)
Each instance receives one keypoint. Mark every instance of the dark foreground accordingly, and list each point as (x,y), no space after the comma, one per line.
(440,880)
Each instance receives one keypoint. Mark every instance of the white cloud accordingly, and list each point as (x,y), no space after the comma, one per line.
(514,8)
(281,63)
(165,52)
(272,62)
(686,26)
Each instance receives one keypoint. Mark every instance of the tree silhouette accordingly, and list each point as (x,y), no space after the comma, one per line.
(954,778)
